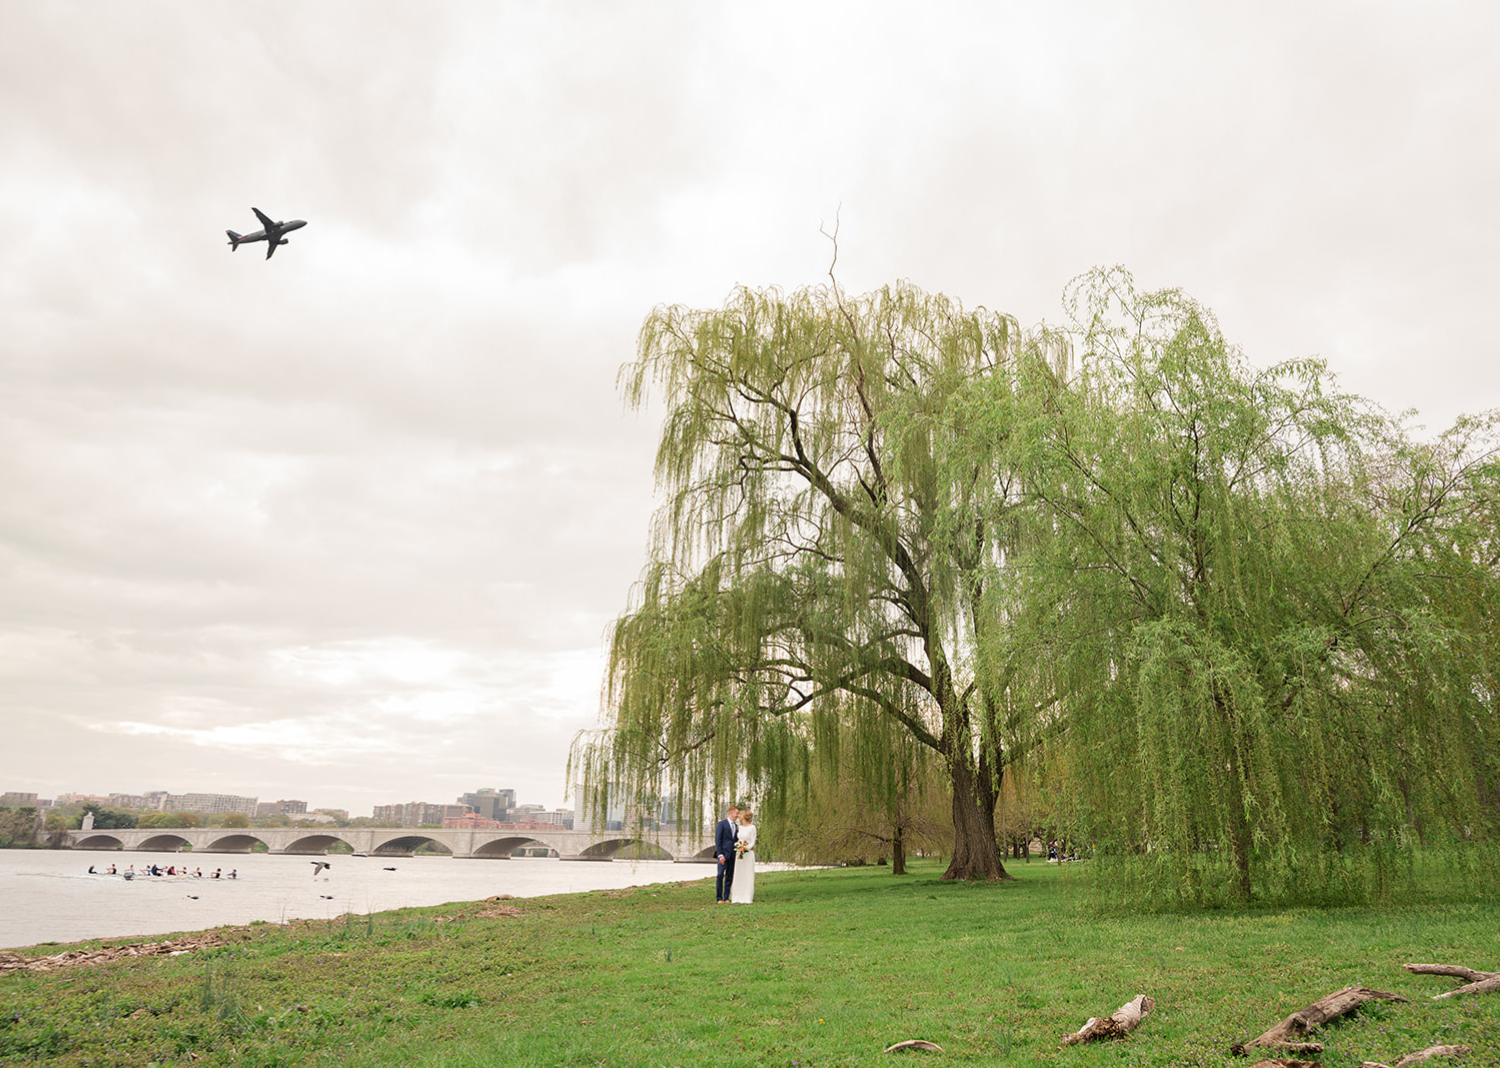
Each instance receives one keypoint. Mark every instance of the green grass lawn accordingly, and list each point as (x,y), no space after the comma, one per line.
(827,968)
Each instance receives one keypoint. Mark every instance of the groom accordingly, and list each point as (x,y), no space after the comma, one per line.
(724,835)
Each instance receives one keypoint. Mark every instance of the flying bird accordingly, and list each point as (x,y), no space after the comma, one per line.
(270,232)
(319,865)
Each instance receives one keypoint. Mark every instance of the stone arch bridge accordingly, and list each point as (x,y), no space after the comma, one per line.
(402,841)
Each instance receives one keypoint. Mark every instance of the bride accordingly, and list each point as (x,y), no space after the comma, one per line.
(742,890)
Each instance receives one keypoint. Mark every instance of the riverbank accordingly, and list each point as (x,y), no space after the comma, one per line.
(827,968)
(53,897)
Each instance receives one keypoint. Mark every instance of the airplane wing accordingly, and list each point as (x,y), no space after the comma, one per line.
(265,222)
(270,247)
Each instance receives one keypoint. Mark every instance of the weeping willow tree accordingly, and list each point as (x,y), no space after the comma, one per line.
(1270,612)
(839,813)
(818,568)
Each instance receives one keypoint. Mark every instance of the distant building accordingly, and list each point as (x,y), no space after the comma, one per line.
(210,804)
(469,823)
(417,813)
(71,798)
(335,813)
(132,801)
(490,803)
(17,799)
(530,825)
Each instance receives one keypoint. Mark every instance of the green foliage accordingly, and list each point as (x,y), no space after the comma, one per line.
(1267,610)
(18,827)
(106,819)
(816,570)
(1240,625)
(171,820)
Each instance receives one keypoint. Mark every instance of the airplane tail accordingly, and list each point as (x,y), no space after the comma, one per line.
(234,240)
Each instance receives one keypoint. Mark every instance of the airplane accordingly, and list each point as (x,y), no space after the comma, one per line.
(270,233)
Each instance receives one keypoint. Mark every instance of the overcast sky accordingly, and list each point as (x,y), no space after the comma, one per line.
(350,525)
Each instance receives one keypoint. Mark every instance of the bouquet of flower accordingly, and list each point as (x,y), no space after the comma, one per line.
(741,848)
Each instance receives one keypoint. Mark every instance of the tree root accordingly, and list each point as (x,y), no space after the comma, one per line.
(1124,1020)
(1285,1036)
(914,1043)
(1476,982)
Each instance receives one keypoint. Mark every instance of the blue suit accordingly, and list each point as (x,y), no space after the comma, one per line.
(724,837)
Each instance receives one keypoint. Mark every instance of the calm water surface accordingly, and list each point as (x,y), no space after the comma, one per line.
(48,896)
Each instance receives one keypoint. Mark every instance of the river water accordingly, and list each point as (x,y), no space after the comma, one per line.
(48,896)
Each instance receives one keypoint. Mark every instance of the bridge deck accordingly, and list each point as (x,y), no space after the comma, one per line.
(403,841)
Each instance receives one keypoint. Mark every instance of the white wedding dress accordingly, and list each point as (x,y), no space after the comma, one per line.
(742,890)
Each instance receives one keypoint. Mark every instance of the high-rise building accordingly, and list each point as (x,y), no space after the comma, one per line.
(490,803)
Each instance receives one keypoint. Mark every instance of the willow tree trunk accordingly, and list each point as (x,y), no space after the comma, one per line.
(898,850)
(976,854)
(1240,840)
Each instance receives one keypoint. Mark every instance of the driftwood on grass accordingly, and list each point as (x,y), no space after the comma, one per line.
(1475,982)
(914,1043)
(1286,1036)
(1285,1062)
(15,962)
(1420,1056)
(1124,1020)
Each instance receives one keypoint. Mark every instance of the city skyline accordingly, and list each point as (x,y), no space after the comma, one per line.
(203,803)
(353,522)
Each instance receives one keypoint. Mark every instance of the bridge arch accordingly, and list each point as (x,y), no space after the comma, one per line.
(99,841)
(503,847)
(312,844)
(164,843)
(233,843)
(630,848)
(405,845)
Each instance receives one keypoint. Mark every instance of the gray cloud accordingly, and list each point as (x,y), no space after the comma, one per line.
(350,525)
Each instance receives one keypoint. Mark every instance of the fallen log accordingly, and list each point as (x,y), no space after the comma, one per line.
(1286,1036)
(1285,1062)
(1120,1023)
(1420,1056)
(1476,982)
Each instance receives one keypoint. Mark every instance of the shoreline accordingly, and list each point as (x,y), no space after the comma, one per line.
(52,903)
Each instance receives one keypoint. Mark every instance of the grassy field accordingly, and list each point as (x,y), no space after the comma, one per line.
(827,968)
